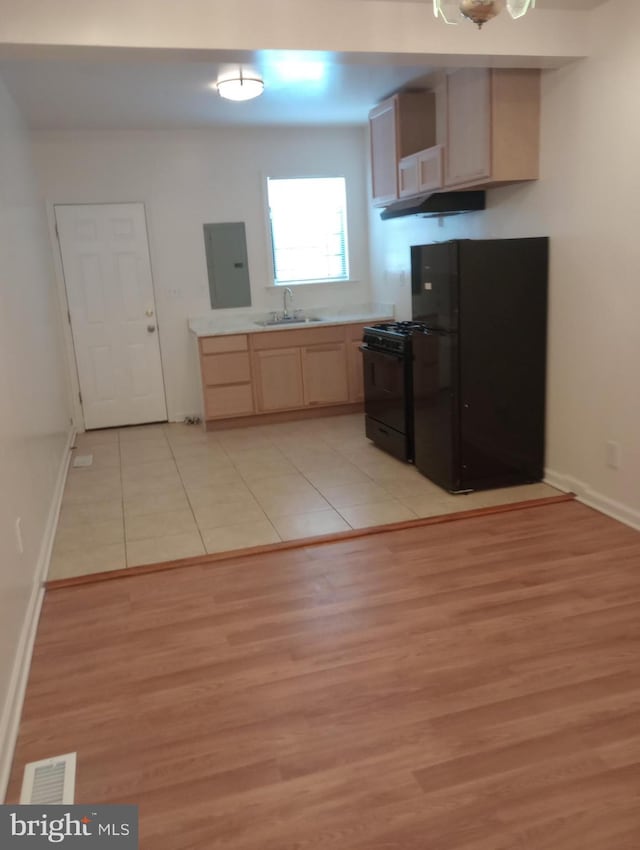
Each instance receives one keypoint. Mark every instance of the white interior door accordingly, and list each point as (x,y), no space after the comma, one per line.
(107,272)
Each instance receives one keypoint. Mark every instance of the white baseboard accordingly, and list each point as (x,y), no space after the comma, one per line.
(590,497)
(563,482)
(10,720)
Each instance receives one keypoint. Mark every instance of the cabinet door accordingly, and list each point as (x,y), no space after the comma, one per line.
(324,370)
(384,153)
(429,169)
(408,176)
(279,379)
(421,172)
(356,376)
(468,126)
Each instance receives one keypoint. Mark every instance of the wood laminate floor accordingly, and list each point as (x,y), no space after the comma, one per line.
(468,686)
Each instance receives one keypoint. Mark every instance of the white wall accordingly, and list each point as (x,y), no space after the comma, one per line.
(188,178)
(34,418)
(587,202)
(383,26)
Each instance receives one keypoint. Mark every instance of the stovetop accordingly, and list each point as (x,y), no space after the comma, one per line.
(398,328)
(391,336)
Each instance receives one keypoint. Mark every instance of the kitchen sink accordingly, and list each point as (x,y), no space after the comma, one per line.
(291,320)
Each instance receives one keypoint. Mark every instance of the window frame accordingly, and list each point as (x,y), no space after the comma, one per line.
(275,283)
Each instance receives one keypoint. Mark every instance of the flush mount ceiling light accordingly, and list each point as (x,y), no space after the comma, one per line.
(479,11)
(240,87)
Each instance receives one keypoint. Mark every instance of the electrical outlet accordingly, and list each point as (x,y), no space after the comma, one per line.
(19,543)
(613,455)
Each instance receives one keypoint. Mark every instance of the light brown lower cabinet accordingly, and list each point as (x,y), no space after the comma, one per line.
(356,377)
(278,379)
(246,375)
(324,374)
(226,376)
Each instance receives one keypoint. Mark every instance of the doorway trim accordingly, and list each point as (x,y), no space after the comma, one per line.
(73,379)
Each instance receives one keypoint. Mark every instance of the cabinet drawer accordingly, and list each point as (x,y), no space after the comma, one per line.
(219,369)
(285,339)
(221,402)
(216,344)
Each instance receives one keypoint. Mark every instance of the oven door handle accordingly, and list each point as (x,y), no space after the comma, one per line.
(365,349)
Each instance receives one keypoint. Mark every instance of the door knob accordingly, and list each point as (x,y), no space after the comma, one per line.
(148,313)
(151,329)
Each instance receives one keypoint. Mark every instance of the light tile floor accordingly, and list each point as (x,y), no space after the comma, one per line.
(160,492)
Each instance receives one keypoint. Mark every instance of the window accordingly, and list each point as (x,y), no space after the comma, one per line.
(308,229)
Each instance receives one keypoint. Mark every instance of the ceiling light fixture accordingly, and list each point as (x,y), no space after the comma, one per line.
(479,11)
(239,87)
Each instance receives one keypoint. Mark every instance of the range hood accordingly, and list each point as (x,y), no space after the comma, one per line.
(437,203)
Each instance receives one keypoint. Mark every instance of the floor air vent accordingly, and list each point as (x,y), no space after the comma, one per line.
(50,782)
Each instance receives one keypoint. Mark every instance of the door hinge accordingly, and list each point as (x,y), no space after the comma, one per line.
(57,234)
(69,316)
(80,397)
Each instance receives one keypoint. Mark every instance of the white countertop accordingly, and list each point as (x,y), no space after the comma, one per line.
(215,324)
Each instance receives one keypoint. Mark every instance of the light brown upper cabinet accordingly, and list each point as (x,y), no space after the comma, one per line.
(421,172)
(489,123)
(400,126)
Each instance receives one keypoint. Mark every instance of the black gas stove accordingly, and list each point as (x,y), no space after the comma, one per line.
(388,386)
(391,336)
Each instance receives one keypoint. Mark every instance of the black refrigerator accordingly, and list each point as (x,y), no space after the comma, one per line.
(479,363)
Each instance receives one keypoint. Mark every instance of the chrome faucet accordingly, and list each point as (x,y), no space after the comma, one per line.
(285,312)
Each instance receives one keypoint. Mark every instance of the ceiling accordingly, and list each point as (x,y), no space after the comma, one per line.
(97,93)
(300,88)
(560,5)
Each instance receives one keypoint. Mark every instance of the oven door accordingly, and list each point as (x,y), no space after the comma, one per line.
(386,400)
